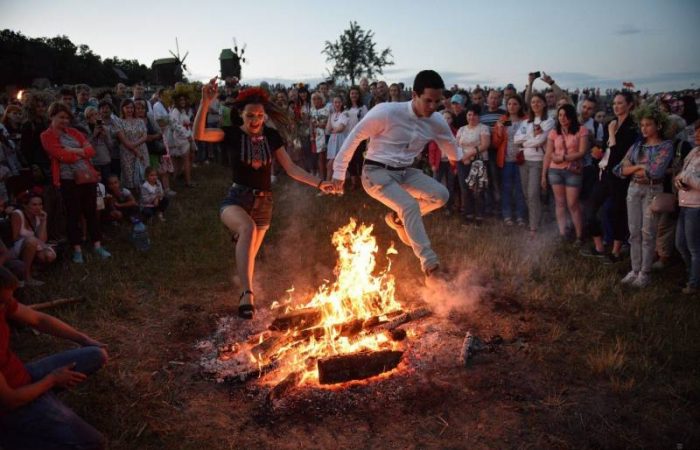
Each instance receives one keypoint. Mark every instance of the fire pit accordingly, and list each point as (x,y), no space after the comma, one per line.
(350,330)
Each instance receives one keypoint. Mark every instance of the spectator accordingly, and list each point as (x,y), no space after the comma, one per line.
(364,91)
(133,154)
(70,154)
(457,108)
(110,124)
(319,119)
(119,96)
(181,141)
(689,113)
(153,199)
(82,101)
(688,229)
(337,129)
(154,139)
(12,121)
(477,97)
(380,95)
(66,96)
(395,93)
(302,120)
(29,236)
(508,92)
(563,167)
(139,92)
(100,139)
(645,163)
(532,136)
(443,171)
(120,203)
(474,139)
(31,149)
(34,417)
(507,159)
(356,110)
(622,133)
(489,116)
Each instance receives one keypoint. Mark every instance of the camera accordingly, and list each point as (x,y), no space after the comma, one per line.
(535,74)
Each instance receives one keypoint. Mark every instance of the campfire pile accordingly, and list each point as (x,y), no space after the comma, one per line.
(352,329)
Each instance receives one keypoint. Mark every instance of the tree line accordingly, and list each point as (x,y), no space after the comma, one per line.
(25,59)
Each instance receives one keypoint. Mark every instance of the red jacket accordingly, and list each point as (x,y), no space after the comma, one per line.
(435,154)
(51,141)
(499,139)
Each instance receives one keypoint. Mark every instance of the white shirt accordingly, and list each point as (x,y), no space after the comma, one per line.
(533,146)
(468,138)
(397,135)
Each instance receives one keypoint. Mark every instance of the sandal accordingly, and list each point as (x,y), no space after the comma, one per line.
(246,310)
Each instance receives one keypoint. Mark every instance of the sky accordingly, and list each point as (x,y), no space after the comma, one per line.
(652,43)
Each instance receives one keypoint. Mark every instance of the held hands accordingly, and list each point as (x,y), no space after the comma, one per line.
(338,186)
(65,377)
(327,187)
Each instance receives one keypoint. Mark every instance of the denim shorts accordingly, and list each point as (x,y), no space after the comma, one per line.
(257,205)
(565,177)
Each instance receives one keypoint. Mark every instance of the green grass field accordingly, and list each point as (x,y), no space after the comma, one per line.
(587,365)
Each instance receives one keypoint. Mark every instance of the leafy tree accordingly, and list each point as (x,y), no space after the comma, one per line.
(354,54)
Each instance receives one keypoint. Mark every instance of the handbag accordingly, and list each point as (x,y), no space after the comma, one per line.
(663,202)
(575,167)
(85,174)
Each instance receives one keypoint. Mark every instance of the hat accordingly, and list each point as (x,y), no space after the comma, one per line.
(510,86)
(457,99)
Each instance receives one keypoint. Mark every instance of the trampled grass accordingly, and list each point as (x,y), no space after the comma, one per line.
(609,367)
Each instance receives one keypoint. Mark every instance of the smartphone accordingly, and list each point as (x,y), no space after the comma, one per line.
(536,74)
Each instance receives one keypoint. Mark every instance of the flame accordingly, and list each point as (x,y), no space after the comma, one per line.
(19,95)
(356,294)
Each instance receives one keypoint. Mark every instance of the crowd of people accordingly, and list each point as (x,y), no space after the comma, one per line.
(616,172)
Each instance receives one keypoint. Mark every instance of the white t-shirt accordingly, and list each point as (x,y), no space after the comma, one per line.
(468,138)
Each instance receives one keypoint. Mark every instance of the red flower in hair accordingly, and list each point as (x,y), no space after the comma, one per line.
(253,95)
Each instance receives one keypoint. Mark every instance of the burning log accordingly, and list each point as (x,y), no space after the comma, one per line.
(301,318)
(283,387)
(356,366)
(406,317)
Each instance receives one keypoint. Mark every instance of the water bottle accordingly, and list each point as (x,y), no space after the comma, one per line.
(139,236)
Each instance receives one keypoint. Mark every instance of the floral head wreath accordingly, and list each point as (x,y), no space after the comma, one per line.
(252,95)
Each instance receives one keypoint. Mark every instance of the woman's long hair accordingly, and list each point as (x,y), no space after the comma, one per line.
(570,112)
(256,95)
(531,113)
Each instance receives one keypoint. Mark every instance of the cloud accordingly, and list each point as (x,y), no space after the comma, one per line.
(627,29)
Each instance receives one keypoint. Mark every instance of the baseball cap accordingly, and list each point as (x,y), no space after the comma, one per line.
(457,99)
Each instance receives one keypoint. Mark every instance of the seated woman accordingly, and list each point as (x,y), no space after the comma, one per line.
(119,202)
(31,415)
(153,199)
(29,236)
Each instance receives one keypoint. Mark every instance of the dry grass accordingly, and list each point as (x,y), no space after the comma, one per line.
(590,365)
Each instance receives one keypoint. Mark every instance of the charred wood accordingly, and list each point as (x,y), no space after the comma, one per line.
(356,366)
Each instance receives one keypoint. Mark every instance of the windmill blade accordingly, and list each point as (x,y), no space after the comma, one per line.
(174,55)
(177,47)
(184,57)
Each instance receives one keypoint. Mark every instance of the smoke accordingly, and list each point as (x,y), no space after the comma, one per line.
(459,293)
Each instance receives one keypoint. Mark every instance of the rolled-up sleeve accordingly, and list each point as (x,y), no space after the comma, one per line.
(371,125)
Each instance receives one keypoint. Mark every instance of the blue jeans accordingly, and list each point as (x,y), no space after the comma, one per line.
(688,242)
(46,423)
(512,192)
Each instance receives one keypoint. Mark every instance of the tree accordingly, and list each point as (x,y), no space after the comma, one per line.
(354,55)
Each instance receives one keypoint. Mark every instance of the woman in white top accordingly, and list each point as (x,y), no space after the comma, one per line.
(356,110)
(319,118)
(474,138)
(29,236)
(532,137)
(181,138)
(337,129)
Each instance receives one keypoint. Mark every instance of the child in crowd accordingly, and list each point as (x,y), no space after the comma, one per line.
(153,199)
(119,202)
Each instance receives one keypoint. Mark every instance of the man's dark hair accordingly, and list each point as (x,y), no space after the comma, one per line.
(427,79)
(105,103)
(66,91)
(591,99)
(474,109)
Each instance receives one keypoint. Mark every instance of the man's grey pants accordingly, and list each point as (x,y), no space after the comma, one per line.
(411,194)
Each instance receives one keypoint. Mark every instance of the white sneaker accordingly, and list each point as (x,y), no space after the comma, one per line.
(642,280)
(630,278)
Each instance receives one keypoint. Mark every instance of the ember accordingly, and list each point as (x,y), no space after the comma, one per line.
(347,331)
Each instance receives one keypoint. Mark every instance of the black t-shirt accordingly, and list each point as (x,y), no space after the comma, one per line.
(251,158)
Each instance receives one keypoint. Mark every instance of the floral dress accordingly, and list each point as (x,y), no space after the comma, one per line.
(132,167)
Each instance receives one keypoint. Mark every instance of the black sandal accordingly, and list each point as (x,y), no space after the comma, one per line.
(246,310)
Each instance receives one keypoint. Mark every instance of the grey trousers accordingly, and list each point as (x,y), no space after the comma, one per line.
(642,224)
(411,194)
(530,176)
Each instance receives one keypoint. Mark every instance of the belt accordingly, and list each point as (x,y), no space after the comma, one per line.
(648,182)
(255,192)
(385,166)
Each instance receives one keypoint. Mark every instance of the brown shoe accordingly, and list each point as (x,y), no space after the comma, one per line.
(395,224)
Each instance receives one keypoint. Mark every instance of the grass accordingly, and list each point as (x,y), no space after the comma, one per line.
(596,365)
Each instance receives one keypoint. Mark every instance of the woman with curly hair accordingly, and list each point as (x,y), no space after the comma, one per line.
(645,163)
(247,209)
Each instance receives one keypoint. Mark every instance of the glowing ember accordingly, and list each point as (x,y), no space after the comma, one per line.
(331,323)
